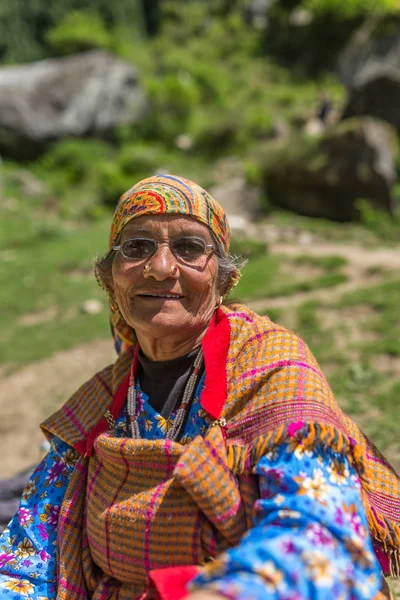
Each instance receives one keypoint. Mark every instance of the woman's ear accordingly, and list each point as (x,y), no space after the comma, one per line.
(232,282)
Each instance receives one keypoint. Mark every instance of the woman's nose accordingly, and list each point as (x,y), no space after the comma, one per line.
(162,263)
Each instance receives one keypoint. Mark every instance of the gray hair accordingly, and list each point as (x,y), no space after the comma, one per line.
(229,266)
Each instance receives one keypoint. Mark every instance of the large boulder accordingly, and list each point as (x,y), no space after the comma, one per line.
(325,176)
(378,95)
(373,48)
(239,199)
(86,94)
(370,68)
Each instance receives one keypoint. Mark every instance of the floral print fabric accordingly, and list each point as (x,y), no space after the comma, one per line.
(309,540)
(310,537)
(28,545)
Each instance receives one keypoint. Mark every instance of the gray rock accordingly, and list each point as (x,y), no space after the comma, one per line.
(325,176)
(257,12)
(370,52)
(301,17)
(370,67)
(92,307)
(240,201)
(378,95)
(87,94)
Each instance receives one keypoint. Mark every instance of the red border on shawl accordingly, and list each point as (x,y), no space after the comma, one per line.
(215,350)
(171,582)
(215,346)
(85,447)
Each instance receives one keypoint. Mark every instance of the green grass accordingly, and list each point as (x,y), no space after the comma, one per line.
(384,299)
(265,277)
(325,262)
(369,394)
(46,265)
(372,234)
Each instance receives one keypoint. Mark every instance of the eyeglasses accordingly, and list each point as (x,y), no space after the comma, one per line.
(187,249)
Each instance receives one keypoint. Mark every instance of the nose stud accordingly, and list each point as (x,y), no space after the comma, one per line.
(174,270)
(146,269)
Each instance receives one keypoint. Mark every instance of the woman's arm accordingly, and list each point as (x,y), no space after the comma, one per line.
(310,537)
(28,544)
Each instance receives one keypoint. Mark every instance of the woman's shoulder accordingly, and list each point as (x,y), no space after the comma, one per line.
(258,336)
(86,407)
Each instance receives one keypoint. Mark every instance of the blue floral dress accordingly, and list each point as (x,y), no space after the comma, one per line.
(309,540)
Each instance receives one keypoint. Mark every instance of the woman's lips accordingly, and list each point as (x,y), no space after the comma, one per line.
(160,296)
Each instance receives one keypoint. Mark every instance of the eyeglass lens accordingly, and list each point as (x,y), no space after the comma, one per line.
(184,248)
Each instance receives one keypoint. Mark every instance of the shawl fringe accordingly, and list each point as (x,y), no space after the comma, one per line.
(243,459)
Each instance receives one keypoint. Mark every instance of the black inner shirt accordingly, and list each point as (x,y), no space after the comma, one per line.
(164,381)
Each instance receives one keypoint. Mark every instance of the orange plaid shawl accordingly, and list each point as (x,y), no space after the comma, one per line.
(264,381)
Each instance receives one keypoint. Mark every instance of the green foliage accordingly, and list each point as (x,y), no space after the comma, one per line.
(253,172)
(386,226)
(362,387)
(53,263)
(265,277)
(275,314)
(329,263)
(313,47)
(25,26)
(75,159)
(79,31)
(173,98)
(352,8)
(309,326)
(384,299)
(247,248)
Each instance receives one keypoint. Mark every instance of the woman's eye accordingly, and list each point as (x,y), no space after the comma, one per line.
(138,248)
(189,248)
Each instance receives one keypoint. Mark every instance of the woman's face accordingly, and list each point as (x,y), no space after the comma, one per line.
(141,295)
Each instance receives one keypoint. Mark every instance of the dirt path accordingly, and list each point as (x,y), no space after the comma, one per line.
(358,257)
(30,394)
(364,268)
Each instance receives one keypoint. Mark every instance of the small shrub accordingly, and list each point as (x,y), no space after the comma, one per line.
(76,159)
(352,8)
(379,222)
(78,31)
(173,98)
(253,172)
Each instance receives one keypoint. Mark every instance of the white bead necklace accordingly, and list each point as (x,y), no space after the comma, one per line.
(175,429)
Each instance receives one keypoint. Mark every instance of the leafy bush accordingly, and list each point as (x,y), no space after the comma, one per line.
(173,99)
(25,26)
(75,159)
(79,31)
(381,223)
(352,8)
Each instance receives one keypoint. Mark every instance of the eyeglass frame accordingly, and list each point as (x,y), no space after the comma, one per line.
(209,247)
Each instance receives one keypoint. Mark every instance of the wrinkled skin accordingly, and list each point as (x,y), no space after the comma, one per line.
(166,328)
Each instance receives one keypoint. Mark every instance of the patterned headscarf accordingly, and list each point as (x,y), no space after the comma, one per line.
(163,195)
(170,195)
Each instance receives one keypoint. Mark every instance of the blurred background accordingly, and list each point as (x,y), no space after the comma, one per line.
(287,111)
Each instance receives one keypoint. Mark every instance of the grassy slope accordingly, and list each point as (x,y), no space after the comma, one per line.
(45,276)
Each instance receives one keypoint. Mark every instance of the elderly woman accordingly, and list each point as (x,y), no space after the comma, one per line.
(211,459)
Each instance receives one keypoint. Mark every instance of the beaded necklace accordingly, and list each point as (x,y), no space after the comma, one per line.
(175,429)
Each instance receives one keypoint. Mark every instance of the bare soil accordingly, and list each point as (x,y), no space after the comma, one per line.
(31,394)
